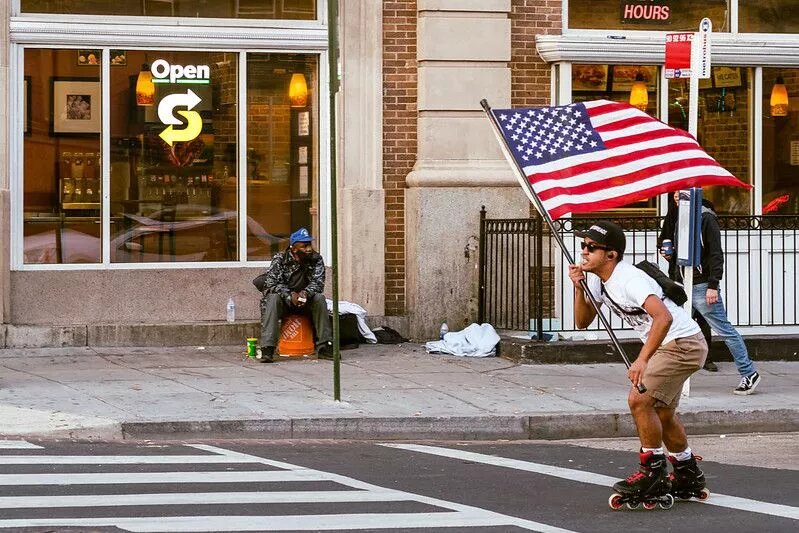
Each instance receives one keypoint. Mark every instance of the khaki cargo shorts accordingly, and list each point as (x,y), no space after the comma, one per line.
(671,365)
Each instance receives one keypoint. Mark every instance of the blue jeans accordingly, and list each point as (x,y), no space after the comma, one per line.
(716,316)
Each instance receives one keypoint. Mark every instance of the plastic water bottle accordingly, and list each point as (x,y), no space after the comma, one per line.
(443,331)
(231,311)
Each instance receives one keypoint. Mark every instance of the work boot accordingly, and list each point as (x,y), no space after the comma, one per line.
(325,351)
(265,354)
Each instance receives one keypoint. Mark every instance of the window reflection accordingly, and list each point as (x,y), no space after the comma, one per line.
(768,16)
(174,193)
(781,147)
(723,129)
(61,157)
(282,189)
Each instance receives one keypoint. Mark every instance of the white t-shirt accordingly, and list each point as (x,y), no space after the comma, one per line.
(625,293)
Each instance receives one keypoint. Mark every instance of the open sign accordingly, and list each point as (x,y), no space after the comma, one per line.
(164,72)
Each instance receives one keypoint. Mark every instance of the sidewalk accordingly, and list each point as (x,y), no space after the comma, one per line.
(388,392)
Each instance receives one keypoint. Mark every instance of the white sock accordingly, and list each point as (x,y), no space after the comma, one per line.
(656,451)
(683,455)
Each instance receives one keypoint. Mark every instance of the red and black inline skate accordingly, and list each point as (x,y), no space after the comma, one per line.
(649,486)
(687,480)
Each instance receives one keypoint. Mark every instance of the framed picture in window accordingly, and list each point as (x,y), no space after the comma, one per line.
(726,77)
(589,77)
(75,106)
(625,75)
(26,105)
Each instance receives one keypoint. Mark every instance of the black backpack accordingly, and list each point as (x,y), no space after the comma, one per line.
(673,290)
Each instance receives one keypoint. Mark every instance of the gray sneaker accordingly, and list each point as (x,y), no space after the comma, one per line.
(747,384)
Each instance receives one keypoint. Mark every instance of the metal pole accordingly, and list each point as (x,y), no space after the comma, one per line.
(543,212)
(333,58)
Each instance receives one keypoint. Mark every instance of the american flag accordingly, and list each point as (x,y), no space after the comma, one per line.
(597,155)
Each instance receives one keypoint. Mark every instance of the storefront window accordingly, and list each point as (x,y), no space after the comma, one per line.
(246,9)
(723,130)
(174,193)
(615,82)
(781,145)
(768,16)
(61,157)
(282,143)
(175,158)
(665,15)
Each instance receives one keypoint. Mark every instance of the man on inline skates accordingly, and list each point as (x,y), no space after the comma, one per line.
(673,349)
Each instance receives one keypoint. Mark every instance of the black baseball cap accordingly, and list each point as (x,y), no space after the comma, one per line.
(607,234)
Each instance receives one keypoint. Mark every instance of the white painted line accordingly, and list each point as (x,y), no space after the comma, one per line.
(117,459)
(18,445)
(362,485)
(581,476)
(323,522)
(117,478)
(197,498)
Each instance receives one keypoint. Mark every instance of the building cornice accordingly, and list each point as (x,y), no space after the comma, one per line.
(307,36)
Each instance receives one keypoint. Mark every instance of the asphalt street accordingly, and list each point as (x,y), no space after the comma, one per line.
(289,485)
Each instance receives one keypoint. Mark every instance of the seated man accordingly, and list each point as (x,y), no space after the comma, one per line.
(294,284)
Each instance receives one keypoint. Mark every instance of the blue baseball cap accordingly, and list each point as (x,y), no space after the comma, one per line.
(301,235)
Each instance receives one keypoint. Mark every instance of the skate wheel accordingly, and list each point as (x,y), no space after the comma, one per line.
(704,494)
(650,505)
(615,501)
(632,506)
(667,502)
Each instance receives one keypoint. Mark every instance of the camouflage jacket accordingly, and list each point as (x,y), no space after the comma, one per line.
(276,279)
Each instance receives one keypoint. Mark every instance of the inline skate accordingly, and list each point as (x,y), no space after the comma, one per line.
(687,480)
(649,486)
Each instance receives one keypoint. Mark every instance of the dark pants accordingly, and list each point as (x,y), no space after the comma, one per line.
(273,309)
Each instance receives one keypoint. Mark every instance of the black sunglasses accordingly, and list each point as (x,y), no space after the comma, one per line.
(592,247)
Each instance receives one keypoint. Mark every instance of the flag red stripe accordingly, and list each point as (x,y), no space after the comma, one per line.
(630,177)
(593,166)
(649,136)
(616,201)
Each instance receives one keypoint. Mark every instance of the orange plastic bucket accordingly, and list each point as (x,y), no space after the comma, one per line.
(296,336)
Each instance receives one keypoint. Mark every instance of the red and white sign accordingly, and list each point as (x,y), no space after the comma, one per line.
(678,55)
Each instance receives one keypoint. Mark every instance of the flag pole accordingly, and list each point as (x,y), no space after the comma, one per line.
(545,215)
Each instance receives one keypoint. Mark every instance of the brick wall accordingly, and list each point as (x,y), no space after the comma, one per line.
(399,137)
(530,76)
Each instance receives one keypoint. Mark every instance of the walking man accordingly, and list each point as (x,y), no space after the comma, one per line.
(673,349)
(706,297)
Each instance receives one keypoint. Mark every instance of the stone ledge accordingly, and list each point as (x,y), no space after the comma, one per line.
(761,348)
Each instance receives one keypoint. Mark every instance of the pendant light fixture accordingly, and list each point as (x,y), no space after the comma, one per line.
(779,99)
(145,88)
(639,97)
(298,90)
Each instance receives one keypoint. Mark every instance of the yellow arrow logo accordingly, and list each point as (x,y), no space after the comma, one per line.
(191,131)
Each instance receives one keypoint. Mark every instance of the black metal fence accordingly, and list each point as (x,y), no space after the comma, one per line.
(524,284)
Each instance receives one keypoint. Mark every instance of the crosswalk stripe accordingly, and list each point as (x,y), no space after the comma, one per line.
(18,445)
(116,478)
(188,498)
(721,500)
(455,514)
(324,522)
(119,459)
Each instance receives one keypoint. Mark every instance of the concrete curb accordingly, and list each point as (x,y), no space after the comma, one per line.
(537,427)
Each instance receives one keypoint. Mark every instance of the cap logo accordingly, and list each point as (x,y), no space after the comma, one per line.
(599,229)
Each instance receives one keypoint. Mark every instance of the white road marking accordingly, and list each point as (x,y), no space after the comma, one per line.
(455,514)
(116,478)
(118,459)
(188,498)
(581,476)
(323,522)
(18,445)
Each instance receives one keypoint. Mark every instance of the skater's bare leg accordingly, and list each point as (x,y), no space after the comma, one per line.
(642,407)
(674,436)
